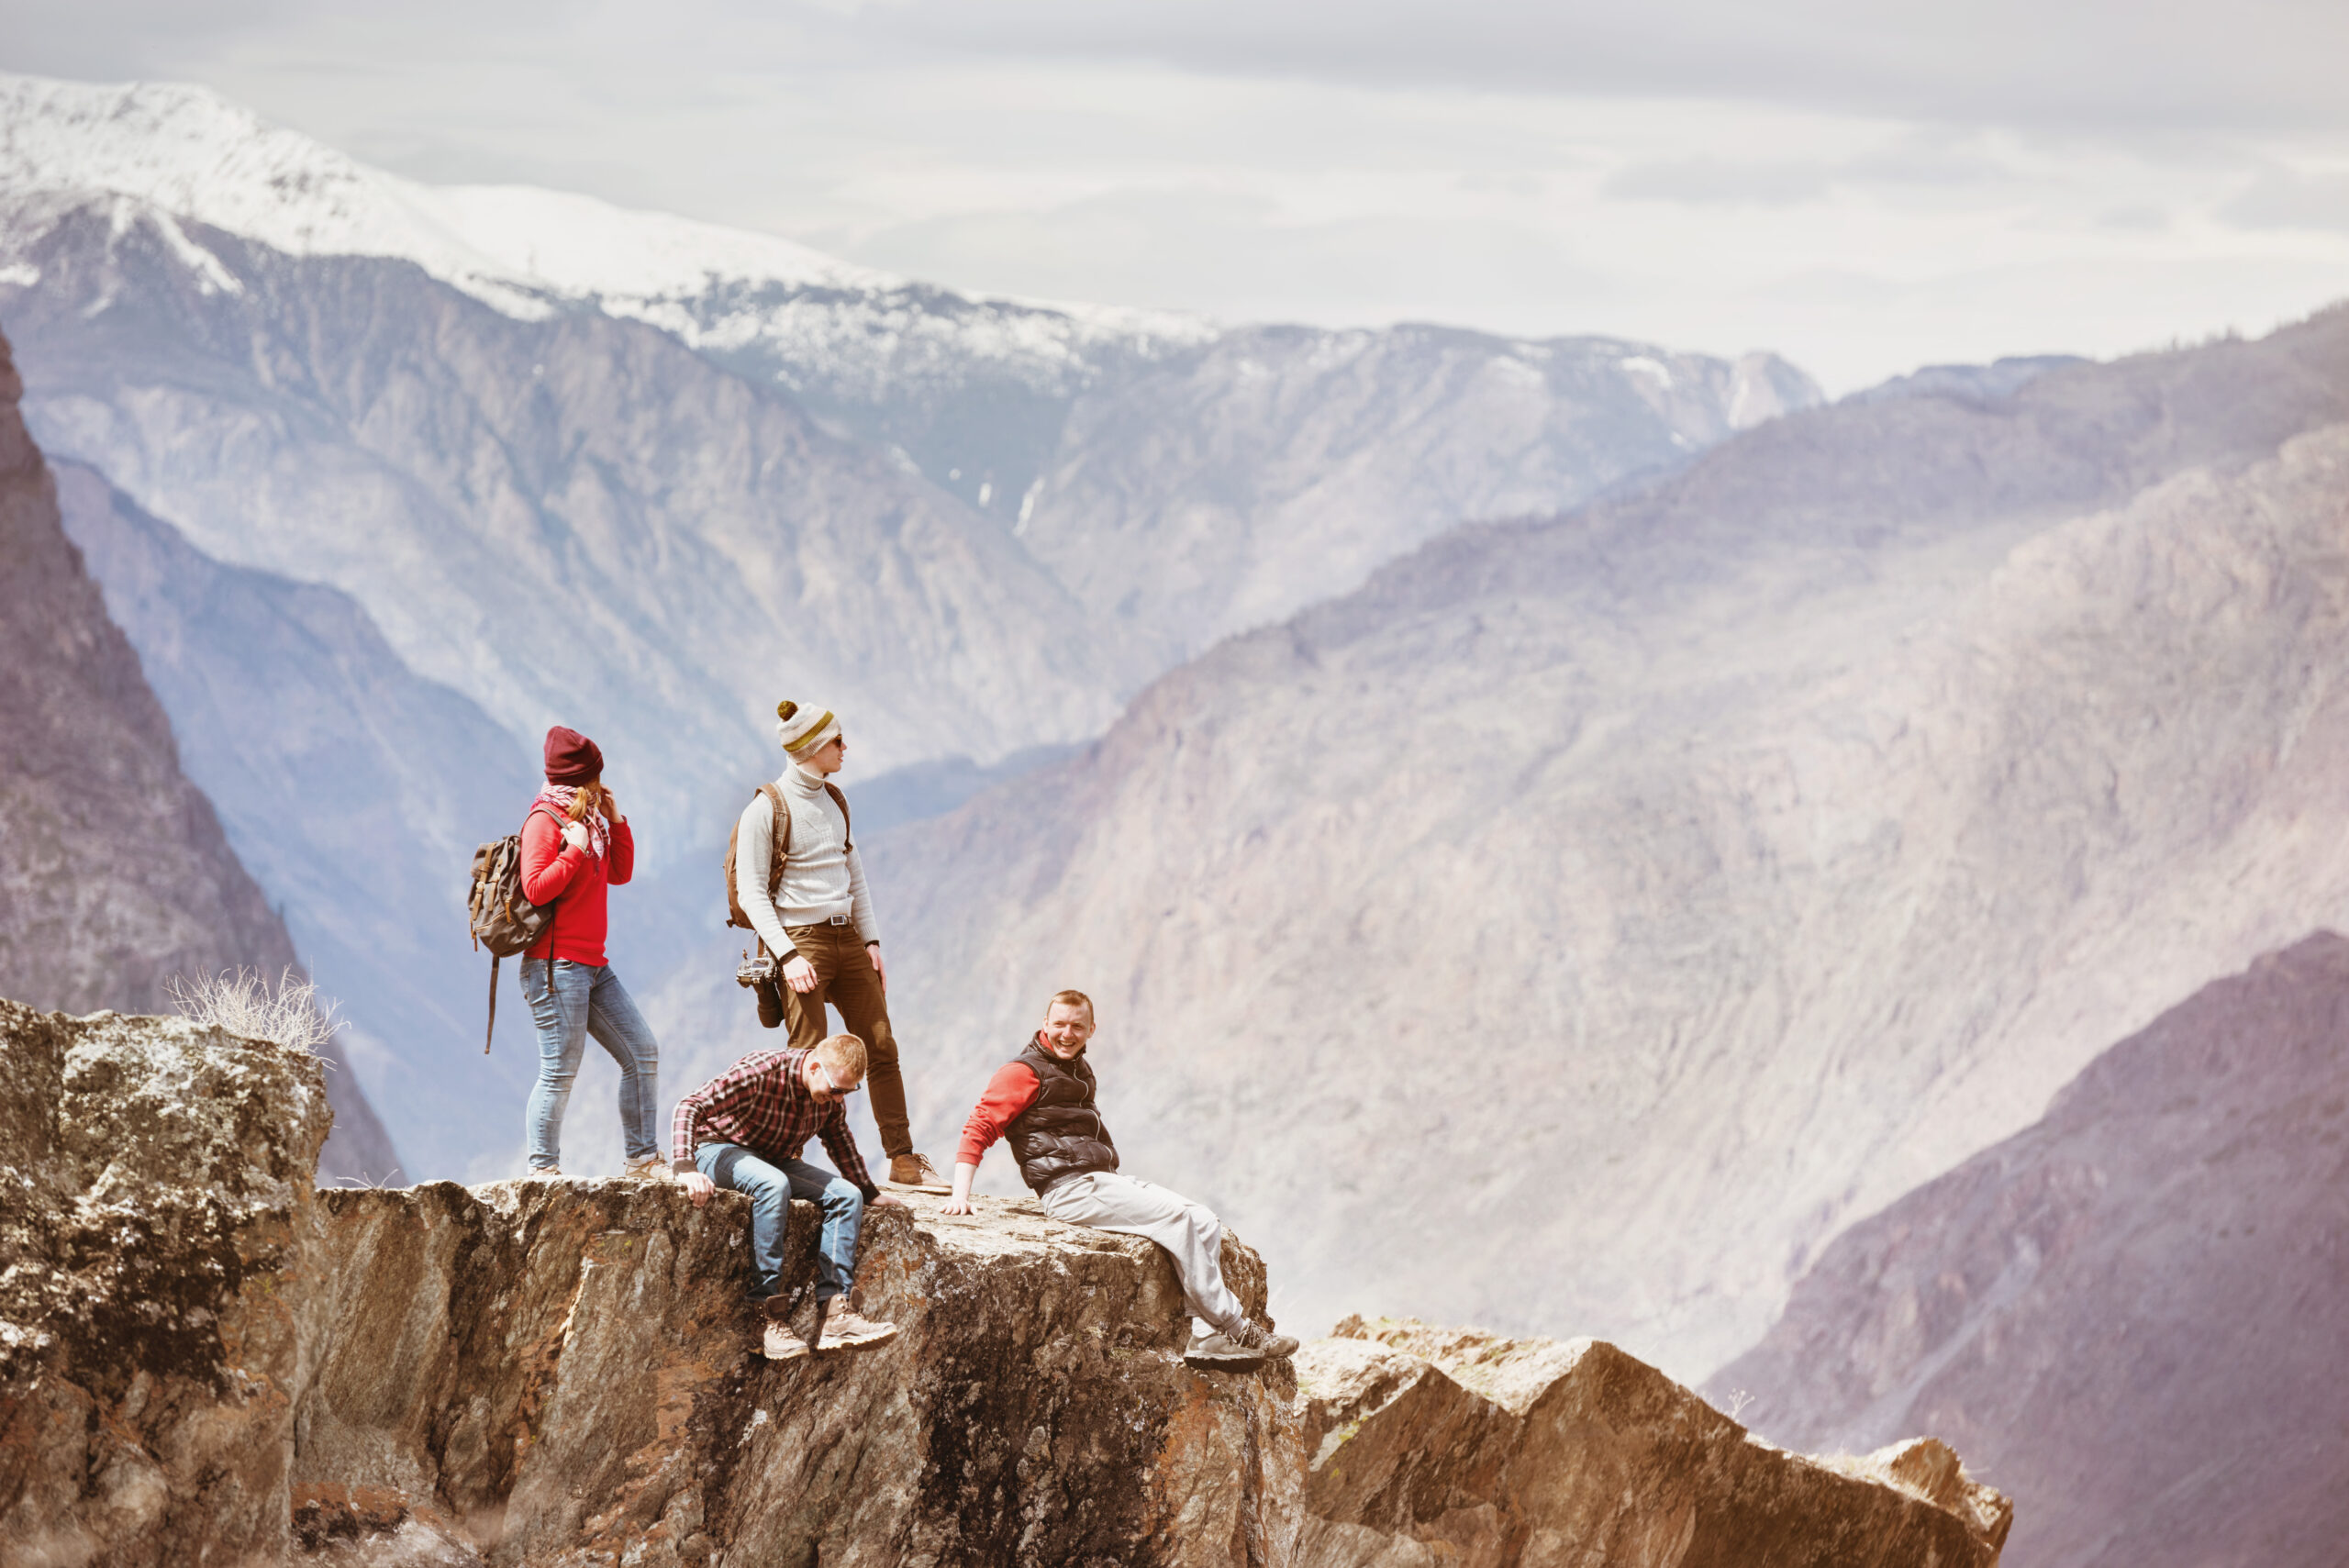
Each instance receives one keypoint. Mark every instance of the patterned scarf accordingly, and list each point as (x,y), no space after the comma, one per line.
(557,798)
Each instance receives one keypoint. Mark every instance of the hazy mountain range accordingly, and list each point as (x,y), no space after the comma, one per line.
(1559,831)
(1585,920)
(552,461)
(349,784)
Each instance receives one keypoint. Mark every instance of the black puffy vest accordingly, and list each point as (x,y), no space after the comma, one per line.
(1061,1135)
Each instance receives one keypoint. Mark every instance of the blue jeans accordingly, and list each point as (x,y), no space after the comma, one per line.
(771,1186)
(572,1001)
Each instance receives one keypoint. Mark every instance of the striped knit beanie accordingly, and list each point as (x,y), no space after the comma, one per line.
(802,727)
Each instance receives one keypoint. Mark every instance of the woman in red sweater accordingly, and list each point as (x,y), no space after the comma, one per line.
(576,844)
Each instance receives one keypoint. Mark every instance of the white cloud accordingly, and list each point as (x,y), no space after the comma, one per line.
(2289,198)
(1864,188)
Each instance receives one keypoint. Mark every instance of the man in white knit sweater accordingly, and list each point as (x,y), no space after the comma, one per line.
(815,914)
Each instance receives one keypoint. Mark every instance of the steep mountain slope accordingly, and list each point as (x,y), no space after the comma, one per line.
(1572,928)
(2128,1314)
(355,790)
(1231,485)
(571,463)
(574,519)
(114,875)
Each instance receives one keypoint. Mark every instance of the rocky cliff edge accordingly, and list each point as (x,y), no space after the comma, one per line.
(206,1360)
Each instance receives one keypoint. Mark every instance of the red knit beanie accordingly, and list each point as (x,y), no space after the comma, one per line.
(572,758)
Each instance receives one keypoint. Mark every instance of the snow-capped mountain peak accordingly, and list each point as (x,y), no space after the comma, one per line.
(188,153)
(194,154)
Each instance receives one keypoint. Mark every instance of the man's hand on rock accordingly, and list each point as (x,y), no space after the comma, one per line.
(964,1175)
(698,1187)
(799,974)
(888,1200)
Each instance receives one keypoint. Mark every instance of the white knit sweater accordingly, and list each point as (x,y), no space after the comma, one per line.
(823,878)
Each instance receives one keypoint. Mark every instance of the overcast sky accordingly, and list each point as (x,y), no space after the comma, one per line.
(1863,186)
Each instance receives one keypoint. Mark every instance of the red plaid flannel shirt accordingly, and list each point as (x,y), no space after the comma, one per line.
(761,1103)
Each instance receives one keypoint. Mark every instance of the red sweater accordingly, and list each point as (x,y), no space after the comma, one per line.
(573,880)
(1010,1092)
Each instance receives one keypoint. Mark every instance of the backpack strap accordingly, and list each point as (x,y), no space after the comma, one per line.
(848,834)
(778,838)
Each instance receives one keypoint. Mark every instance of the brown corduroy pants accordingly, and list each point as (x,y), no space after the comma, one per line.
(845,980)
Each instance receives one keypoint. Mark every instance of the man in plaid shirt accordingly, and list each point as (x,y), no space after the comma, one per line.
(744,1129)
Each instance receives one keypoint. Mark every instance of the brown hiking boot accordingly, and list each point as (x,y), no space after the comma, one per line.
(849,1330)
(779,1342)
(915,1171)
(651,1168)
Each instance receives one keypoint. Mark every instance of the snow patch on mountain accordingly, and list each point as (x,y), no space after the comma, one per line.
(189,154)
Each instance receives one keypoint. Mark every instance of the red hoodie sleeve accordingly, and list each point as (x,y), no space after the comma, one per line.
(619,864)
(1012,1091)
(548,863)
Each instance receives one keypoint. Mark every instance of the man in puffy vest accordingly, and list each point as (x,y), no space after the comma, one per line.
(1042,1102)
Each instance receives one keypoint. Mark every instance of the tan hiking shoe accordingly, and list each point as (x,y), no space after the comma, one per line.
(849,1330)
(651,1168)
(780,1344)
(915,1171)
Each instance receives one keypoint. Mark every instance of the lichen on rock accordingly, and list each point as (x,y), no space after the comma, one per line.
(160,1178)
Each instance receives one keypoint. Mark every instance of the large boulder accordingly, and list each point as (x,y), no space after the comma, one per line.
(1464,1448)
(158,1202)
(538,1371)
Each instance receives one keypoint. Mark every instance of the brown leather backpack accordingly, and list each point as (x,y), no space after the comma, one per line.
(503,920)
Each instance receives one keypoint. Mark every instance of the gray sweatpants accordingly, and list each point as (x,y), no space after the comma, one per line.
(1189,1232)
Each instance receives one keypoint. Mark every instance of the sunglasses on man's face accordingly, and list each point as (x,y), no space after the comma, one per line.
(831,1088)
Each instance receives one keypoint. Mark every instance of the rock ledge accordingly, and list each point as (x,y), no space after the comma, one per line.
(203,1359)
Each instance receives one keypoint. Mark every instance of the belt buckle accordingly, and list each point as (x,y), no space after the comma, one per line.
(838,919)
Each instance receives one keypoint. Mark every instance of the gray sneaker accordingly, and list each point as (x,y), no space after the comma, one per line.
(1240,1346)
(1271,1346)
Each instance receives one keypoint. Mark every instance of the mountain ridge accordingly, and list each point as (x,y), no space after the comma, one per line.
(971,389)
(334,763)
(1769,813)
(116,877)
(2121,1309)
